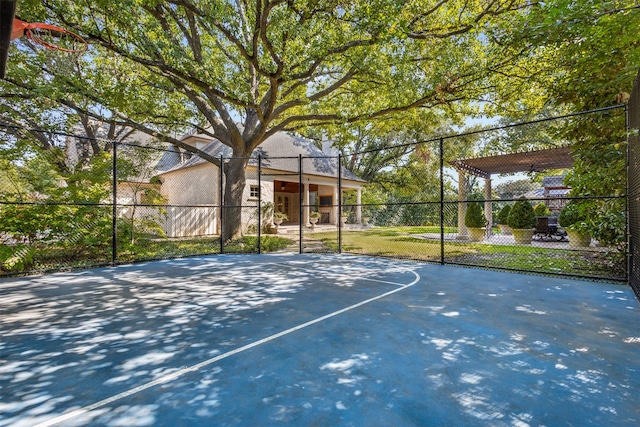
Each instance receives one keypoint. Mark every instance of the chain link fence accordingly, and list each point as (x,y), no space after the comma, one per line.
(465,199)
(544,197)
(634,187)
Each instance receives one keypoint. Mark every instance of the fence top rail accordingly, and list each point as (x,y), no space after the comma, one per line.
(493,129)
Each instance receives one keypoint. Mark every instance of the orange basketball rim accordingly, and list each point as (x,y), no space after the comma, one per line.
(49,36)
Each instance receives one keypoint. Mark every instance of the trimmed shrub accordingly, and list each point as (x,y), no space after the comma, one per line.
(474,217)
(541,210)
(521,215)
(503,215)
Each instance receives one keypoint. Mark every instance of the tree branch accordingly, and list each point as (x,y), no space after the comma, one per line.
(494,8)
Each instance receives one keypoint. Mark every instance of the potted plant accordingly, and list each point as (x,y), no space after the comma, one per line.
(344,217)
(475,221)
(314,217)
(366,217)
(502,218)
(572,219)
(279,217)
(522,221)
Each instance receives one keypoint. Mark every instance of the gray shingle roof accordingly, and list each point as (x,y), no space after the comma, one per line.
(278,152)
(553,181)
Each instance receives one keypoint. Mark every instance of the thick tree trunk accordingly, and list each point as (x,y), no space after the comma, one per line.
(235,180)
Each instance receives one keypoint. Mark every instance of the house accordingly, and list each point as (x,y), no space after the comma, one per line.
(553,192)
(556,192)
(191,185)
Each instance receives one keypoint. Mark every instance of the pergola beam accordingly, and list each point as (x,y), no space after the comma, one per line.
(528,161)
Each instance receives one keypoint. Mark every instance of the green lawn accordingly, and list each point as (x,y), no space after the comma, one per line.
(162,248)
(400,242)
(24,258)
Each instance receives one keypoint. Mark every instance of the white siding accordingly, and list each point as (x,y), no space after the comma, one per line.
(192,187)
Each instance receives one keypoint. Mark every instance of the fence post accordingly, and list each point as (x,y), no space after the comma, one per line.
(221,190)
(339,219)
(300,207)
(114,207)
(442,201)
(259,204)
(629,251)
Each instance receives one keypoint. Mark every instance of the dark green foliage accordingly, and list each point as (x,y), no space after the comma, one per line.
(521,215)
(399,211)
(571,216)
(474,217)
(44,212)
(503,215)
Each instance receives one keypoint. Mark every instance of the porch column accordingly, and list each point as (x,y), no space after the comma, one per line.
(358,207)
(463,233)
(334,209)
(488,210)
(304,215)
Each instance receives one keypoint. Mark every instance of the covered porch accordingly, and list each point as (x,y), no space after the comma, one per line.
(299,199)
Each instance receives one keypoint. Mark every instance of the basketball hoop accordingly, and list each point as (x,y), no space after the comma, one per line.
(49,36)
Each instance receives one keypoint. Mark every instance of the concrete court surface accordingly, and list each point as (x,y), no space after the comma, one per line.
(316,340)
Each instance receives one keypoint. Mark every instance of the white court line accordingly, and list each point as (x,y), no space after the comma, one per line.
(198,366)
(320,272)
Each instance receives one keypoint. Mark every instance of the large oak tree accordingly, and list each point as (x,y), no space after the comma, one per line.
(246,69)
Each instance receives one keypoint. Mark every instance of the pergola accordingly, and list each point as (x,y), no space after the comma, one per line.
(484,167)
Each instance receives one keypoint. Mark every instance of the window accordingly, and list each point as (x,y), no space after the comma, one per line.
(326,200)
(254,191)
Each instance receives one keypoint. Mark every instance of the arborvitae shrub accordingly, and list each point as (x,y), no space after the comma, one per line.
(474,217)
(521,215)
(503,215)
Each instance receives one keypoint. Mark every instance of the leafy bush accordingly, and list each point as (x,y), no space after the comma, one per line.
(16,258)
(266,215)
(521,215)
(607,222)
(599,170)
(503,215)
(571,216)
(541,210)
(474,217)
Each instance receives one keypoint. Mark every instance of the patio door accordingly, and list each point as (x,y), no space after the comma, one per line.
(283,204)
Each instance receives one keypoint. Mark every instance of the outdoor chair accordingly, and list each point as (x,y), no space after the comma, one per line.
(548,230)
